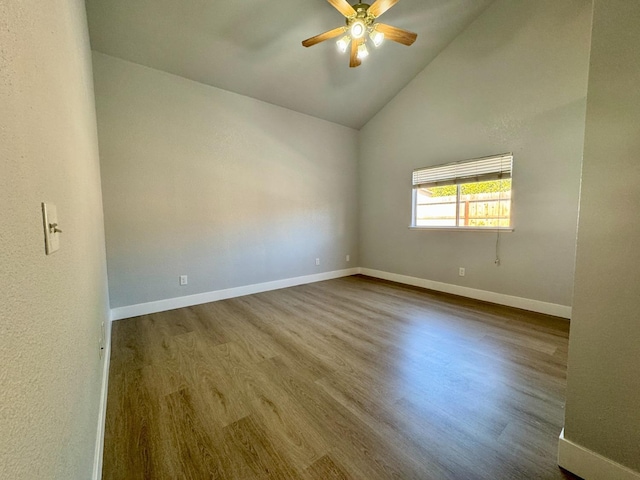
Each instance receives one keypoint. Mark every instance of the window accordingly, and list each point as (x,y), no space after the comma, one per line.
(473,194)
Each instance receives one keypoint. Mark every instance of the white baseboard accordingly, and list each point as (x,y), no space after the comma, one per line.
(197,299)
(102,412)
(590,465)
(493,297)
(187,301)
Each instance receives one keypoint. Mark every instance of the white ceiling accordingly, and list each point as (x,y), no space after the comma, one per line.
(253,47)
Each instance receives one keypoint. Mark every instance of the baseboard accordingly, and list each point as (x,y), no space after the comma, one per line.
(187,301)
(590,465)
(102,412)
(493,297)
(197,299)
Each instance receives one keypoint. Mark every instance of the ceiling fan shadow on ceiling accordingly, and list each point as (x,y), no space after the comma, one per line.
(360,24)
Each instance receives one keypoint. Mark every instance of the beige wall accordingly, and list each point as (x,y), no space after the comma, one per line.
(223,188)
(51,307)
(603,393)
(514,81)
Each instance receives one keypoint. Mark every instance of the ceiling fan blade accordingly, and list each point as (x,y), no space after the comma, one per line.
(396,34)
(354,61)
(324,36)
(343,7)
(381,6)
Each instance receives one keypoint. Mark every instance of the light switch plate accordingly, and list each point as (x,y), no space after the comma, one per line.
(50,224)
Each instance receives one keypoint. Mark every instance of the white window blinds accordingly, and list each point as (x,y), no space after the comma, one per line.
(469,171)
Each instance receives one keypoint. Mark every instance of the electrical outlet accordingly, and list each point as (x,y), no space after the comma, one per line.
(461,271)
(183,280)
(348,258)
(317,261)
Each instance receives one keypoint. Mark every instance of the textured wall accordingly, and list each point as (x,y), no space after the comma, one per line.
(223,188)
(603,390)
(51,307)
(515,80)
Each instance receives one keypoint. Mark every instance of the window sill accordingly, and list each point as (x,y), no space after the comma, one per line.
(462,229)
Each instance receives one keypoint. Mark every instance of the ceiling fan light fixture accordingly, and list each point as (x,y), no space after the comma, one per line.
(360,22)
(343,43)
(358,29)
(376,37)
(362,51)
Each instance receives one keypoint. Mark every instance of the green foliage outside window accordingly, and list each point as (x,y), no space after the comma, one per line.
(472,188)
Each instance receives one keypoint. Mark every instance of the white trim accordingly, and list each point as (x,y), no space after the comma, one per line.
(462,229)
(590,465)
(197,299)
(102,412)
(563,311)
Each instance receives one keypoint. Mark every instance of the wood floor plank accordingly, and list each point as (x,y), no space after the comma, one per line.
(285,421)
(192,441)
(212,373)
(326,468)
(352,378)
(254,445)
(129,438)
(367,452)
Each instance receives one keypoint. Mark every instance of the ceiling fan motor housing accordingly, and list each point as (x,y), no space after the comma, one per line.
(362,14)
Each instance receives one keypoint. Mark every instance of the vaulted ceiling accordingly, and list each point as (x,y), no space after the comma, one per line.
(253,47)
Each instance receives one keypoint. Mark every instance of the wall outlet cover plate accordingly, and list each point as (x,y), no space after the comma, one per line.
(51,237)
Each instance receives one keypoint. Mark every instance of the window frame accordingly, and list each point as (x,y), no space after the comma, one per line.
(505,170)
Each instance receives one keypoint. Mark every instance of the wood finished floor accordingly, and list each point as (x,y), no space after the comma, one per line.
(351,378)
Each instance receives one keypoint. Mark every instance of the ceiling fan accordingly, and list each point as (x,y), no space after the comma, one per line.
(360,22)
